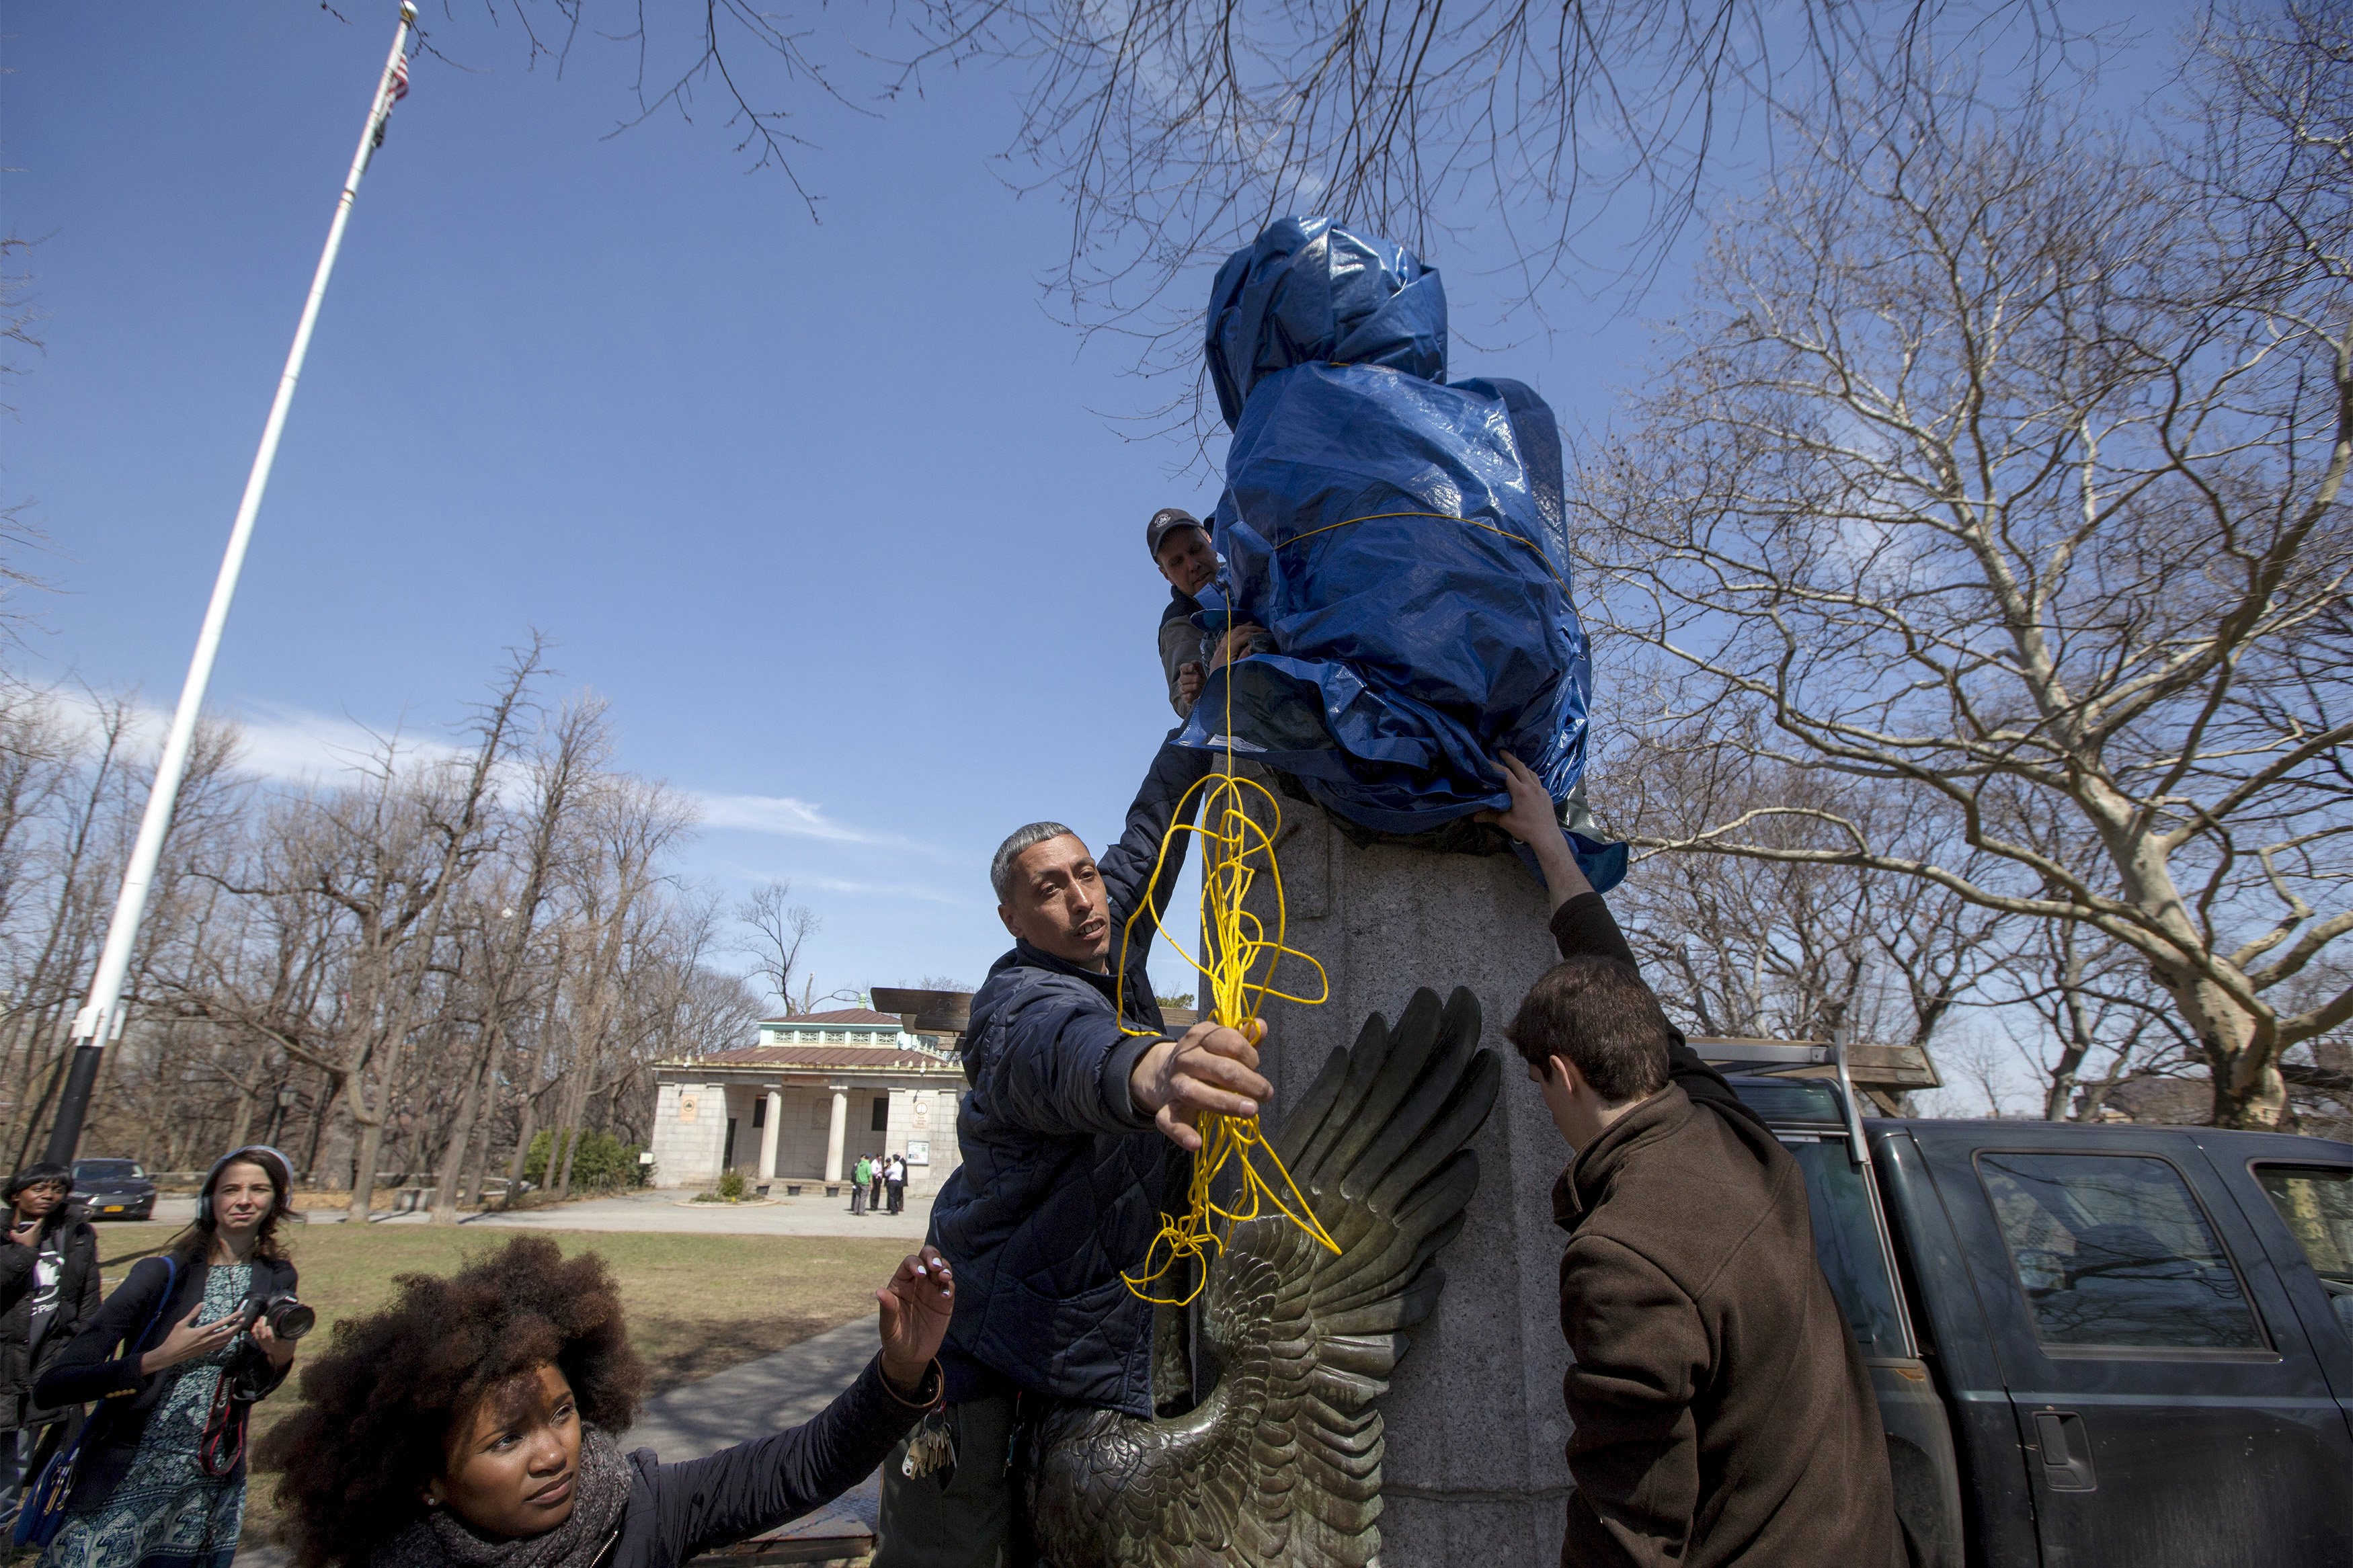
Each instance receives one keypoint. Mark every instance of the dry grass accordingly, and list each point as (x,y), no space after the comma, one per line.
(697,1304)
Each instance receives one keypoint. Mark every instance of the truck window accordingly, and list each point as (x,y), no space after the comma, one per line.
(1846,1243)
(2113,1251)
(2317,1206)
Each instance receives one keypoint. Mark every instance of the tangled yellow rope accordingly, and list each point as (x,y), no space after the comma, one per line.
(1236,850)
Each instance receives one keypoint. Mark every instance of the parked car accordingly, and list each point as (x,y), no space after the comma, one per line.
(113,1189)
(2092,1344)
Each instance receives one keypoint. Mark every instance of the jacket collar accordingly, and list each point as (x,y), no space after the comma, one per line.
(1585,1184)
(1141,1004)
(1039,958)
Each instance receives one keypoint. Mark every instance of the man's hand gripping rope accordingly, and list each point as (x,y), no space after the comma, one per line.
(1203,1090)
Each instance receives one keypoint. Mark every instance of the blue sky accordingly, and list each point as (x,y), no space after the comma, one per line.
(840,519)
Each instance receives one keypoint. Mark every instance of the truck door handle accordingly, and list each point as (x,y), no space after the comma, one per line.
(2066,1451)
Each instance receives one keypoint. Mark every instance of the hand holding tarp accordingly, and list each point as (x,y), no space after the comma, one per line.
(1239,639)
(1534,820)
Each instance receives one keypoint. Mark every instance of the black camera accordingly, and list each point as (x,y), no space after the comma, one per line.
(288,1318)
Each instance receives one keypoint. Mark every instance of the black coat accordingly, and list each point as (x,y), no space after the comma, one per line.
(102,1364)
(1059,1189)
(22,1361)
(679,1511)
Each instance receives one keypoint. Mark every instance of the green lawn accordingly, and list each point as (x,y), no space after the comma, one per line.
(697,1304)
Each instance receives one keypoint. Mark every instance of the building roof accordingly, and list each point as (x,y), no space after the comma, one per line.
(838,1015)
(812,1059)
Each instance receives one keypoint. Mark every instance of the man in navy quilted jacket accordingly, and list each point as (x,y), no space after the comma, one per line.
(1075,1085)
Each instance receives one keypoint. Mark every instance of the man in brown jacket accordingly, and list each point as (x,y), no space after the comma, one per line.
(1722,1411)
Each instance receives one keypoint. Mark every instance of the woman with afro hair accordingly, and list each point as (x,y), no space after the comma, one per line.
(474,1423)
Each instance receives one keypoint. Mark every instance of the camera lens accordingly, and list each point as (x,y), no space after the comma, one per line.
(292,1321)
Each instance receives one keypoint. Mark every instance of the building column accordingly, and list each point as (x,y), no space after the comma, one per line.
(835,1132)
(770,1133)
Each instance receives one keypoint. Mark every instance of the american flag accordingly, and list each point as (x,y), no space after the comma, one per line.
(400,78)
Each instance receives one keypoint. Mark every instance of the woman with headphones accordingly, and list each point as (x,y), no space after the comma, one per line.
(173,1361)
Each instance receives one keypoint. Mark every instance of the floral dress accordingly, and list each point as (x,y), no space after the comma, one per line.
(167,1513)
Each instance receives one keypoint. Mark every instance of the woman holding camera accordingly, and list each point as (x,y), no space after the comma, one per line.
(473,1424)
(175,1359)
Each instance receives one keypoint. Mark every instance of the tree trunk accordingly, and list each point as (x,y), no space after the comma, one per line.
(477,1163)
(240,1132)
(323,1109)
(462,1141)
(2241,1047)
(367,1128)
(569,1135)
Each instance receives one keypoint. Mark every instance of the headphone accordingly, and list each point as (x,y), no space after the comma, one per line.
(284,1174)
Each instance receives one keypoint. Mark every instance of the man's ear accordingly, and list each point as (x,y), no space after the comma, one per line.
(1004,913)
(1570,1076)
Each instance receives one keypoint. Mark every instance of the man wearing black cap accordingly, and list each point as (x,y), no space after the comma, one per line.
(1180,547)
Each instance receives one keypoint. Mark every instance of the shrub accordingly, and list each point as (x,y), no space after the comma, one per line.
(730,1185)
(602,1162)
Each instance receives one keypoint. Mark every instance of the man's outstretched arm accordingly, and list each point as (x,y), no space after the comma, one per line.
(1581,921)
(1127,866)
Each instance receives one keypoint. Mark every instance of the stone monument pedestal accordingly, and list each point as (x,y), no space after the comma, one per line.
(1474,1473)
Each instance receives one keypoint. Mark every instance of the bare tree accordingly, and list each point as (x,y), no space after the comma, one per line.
(561,775)
(2002,473)
(1174,130)
(1787,948)
(389,972)
(777,928)
(2104,1024)
(635,824)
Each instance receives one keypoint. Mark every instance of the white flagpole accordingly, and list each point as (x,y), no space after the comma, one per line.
(99,1018)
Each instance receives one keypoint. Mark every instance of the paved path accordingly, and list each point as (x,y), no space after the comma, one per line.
(767,1395)
(671,1210)
(757,1397)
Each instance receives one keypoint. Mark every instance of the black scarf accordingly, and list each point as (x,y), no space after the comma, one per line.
(441,1540)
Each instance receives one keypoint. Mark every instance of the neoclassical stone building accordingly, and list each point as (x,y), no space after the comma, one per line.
(799,1107)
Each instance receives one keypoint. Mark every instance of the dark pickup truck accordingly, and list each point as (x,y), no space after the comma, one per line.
(2093,1344)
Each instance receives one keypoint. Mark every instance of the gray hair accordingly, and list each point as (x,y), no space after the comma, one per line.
(1000,867)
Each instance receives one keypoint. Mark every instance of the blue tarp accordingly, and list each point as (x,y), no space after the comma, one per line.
(1402,538)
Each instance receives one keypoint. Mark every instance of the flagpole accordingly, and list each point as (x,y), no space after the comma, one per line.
(99,1021)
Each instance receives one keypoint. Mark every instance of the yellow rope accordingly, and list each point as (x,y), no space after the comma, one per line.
(1236,850)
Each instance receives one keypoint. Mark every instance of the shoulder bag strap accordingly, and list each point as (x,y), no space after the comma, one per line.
(163,1305)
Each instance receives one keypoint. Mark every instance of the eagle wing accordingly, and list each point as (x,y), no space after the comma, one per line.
(1280,1464)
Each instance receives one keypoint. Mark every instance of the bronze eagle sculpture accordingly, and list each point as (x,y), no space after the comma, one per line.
(1281,1461)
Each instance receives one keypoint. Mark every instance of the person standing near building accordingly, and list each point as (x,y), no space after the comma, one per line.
(874,1192)
(894,1178)
(859,1174)
(64,1298)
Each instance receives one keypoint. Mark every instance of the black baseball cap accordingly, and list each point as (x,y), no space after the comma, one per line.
(1166,519)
